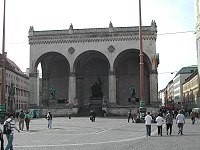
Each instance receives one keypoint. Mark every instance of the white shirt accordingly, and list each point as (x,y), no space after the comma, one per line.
(148,120)
(159,121)
(180,118)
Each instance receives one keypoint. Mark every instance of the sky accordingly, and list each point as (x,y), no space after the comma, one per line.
(176,40)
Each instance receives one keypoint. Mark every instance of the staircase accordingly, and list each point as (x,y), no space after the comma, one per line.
(84,111)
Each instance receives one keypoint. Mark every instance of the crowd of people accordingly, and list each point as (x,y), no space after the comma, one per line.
(167,119)
(160,119)
(9,126)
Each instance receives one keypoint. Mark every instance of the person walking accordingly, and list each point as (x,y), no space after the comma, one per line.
(92,115)
(49,118)
(148,120)
(130,116)
(10,136)
(69,113)
(160,122)
(21,118)
(169,123)
(27,120)
(180,119)
(193,115)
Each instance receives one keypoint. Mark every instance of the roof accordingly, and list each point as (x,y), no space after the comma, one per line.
(10,65)
(187,70)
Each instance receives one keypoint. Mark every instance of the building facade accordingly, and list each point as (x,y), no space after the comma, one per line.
(178,80)
(190,91)
(169,94)
(161,97)
(75,61)
(197,6)
(16,87)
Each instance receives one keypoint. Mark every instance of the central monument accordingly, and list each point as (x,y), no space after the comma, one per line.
(97,94)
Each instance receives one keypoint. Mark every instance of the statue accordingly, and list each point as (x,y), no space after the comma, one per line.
(12,90)
(52,93)
(97,89)
(132,91)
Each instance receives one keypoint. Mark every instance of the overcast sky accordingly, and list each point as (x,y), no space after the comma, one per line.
(176,50)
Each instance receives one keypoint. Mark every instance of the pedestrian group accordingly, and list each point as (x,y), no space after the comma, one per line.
(180,121)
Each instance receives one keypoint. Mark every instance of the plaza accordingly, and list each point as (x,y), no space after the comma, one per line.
(79,133)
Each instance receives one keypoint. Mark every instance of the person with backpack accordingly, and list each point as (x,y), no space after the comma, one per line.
(49,118)
(27,120)
(8,129)
(21,118)
(169,123)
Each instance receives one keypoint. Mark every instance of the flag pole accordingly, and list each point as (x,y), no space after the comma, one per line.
(3,59)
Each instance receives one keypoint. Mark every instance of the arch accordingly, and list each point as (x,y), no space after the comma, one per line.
(90,67)
(55,73)
(127,71)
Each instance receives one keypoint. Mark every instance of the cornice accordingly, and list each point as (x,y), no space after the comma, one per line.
(91,35)
(33,41)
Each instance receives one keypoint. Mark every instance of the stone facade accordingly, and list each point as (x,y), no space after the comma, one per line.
(16,87)
(190,91)
(75,59)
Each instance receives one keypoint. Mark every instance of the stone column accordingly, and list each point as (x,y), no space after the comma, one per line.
(45,91)
(72,87)
(112,88)
(154,88)
(34,89)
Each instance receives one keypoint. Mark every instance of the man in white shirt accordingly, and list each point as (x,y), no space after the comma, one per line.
(148,120)
(160,122)
(180,119)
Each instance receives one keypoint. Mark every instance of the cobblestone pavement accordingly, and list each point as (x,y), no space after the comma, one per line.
(80,133)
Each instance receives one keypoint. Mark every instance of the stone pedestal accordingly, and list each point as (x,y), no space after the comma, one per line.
(96,101)
(52,102)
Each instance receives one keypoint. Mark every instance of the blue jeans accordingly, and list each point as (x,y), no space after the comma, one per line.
(148,128)
(10,141)
(180,128)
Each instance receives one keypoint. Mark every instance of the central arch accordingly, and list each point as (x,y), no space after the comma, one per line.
(90,67)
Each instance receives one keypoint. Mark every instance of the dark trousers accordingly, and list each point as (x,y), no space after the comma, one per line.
(169,128)
(2,143)
(92,118)
(160,130)
(193,120)
(130,117)
(148,129)
(27,121)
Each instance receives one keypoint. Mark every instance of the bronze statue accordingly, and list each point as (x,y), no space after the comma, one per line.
(132,91)
(97,89)
(52,93)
